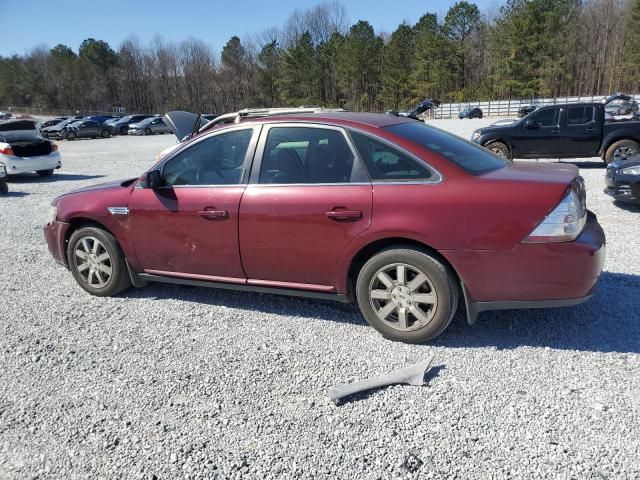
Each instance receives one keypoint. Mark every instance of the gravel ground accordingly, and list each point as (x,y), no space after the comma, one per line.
(177,382)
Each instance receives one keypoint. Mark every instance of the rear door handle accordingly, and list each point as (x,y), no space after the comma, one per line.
(344,215)
(210,214)
(589,130)
(555,131)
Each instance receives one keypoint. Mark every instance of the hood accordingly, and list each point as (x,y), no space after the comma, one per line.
(618,164)
(103,186)
(181,123)
(503,122)
(20,136)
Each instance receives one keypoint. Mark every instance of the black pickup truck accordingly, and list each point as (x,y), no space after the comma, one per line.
(574,130)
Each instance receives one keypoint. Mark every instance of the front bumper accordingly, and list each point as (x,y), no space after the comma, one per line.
(533,274)
(55,234)
(625,188)
(132,131)
(17,165)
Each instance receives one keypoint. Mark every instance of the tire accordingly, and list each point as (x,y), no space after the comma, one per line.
(97,280)
(105,133)
(499,149)
(147,131)
(4,187)
(124,130)
(45,173)
(71,136)
(423,320)
(621,150)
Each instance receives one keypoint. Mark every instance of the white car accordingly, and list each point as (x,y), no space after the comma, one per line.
(23,149)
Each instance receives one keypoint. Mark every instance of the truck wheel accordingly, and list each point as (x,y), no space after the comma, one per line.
(406,294)
(97,262)
(4,187)
(499,149)
(621,150)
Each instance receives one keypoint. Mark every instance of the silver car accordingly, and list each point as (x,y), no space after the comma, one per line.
(149,126)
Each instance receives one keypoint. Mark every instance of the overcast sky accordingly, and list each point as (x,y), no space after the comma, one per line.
(33,23)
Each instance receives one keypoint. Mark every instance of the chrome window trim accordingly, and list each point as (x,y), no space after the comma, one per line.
(409,181)
(254,176)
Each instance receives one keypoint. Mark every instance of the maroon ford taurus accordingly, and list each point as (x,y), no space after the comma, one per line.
(398,216)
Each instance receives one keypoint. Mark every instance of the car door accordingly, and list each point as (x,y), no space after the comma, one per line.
(309,196)
(189,226)
(539,134)
(581,131)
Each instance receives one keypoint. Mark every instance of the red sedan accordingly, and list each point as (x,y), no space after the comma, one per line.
(401,217)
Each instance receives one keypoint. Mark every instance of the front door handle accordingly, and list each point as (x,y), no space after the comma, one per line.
(210,214)
(555,131)
(589,130)
(344,215)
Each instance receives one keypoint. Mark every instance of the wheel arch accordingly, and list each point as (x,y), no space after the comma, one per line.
(613,138)
(77,223)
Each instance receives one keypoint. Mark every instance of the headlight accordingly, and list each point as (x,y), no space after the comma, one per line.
(53,214)
(475,135)
(3,171)
(631,170)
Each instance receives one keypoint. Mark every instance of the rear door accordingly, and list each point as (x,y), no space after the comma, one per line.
(581,131)
(309,196)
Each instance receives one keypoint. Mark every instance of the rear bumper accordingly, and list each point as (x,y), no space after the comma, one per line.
(17,165)
(533,275)
(55,234)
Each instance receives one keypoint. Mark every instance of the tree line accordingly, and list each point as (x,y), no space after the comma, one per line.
(529,48)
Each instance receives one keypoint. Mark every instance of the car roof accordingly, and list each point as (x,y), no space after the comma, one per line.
(371,120)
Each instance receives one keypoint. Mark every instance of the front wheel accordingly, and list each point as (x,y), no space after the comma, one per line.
(499,149)
(45,173)
(621,150)
(4,187)
(147,131)
(406,294)
(97,262)
(105,133)
(71,136)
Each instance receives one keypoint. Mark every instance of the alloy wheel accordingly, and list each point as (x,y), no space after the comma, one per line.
(93,262)
(403,297)
(624,152)
(497,151)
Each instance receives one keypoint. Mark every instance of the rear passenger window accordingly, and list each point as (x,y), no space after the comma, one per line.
(386,163)
(579,115)
(217,160)
(308,155)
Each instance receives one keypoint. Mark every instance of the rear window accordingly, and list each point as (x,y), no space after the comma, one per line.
(469,156)
(17,125)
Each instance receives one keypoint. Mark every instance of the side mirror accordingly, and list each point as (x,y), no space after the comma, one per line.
(531,124)
(152,179)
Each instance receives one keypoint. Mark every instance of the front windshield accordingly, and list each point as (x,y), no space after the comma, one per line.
(469,156)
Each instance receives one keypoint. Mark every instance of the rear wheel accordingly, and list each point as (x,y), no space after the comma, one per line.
(499,149)
(97,262)
(105,133)
(406,294)
(71,136)
(4,187)
(147,131)
(622,150)
(45,173)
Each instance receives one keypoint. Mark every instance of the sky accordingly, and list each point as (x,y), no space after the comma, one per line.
(33,23)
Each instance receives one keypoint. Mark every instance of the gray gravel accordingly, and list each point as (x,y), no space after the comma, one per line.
(176,382)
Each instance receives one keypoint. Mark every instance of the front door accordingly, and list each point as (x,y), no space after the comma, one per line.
(189,226)
(307,199)
(542,135)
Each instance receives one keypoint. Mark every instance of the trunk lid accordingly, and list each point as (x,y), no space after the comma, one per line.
(181,123)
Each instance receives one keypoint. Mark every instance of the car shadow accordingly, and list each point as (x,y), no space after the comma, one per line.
(629,207)
(609,322)
(596,164)
(56,177)
(14,194)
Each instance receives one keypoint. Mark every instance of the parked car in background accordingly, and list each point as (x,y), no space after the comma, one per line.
(332,205)
(621,107)
(51,123)
(572,130)
(98,118)
(527,109)
(470,112)
(623,180)
(87,129)
(121,125)
(23,149)
(149,126)
(57,131)
(4,186)
(5,115)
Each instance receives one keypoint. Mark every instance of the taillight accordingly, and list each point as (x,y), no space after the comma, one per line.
(566,221)
(6,150)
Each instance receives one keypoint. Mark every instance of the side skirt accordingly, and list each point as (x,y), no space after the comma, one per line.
(143,278)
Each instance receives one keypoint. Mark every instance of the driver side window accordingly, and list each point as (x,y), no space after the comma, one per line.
(216,160)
